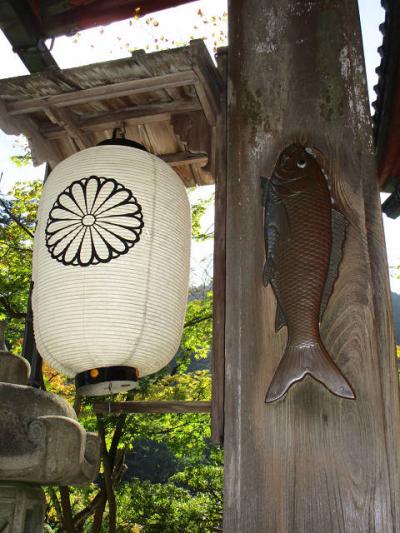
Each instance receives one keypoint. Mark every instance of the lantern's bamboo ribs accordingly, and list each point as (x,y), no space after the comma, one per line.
(152,407)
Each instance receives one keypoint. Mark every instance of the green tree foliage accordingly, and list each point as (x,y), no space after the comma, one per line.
(180,489)
(198,210)
(17,226)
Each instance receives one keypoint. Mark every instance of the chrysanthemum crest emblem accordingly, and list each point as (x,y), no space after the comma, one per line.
(94,220)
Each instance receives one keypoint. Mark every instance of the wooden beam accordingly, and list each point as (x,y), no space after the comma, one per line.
(210,84)
(185,158)
(311,461)
(23,30)
(208,108)
(152,407)
(42,149)
(194,131)
(219,278)
(65,119)
(134,115)
(103,92)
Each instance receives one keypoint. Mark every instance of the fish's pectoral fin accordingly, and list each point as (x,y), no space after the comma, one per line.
(300,360)
(279,219)
(280,318)
(338,225)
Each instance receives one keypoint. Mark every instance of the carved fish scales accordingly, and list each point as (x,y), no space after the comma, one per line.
(304,238)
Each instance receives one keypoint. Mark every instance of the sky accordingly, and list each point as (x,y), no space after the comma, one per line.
(169,28)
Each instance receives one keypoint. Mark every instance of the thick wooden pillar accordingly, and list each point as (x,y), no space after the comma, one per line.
(312,462)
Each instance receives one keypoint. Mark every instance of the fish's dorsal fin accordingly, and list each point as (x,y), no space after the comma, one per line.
(267,273)
(280,319)
(338,226)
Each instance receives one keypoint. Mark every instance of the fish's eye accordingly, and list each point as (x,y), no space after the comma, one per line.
(301,163)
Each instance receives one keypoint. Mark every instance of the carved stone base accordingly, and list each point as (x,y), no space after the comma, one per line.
(22,508)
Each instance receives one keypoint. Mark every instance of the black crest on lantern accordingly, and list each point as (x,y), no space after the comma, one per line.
(94,220)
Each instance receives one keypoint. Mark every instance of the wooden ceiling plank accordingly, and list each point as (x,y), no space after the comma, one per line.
(162,138)
(140,57)
(66,121)
(52,132)
(103,92)
(139,115)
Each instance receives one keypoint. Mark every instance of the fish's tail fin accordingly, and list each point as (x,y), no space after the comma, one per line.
(298,361)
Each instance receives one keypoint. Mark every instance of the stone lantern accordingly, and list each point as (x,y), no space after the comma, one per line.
(41,443)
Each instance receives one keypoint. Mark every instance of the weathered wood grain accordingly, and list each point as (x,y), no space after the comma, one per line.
(312,462)
(219,279)
(104,92)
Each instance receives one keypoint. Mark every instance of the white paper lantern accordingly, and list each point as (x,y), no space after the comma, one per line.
(111,267)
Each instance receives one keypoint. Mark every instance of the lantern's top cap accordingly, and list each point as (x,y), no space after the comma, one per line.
(122,142)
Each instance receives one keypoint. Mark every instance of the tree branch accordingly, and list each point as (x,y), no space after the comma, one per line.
(16,219)
(77,405)
(67,511)
(56,503)
(197,320)
(81,517)
(108,468)
(99,501)
(98,517)
(113,471)
(9,310)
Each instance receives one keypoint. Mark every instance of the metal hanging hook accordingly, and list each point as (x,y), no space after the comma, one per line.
(119,130)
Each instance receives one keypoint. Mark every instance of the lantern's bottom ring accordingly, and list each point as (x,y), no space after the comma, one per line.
(106,380)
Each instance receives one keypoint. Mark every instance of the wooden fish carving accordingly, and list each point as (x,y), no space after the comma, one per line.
(304,236)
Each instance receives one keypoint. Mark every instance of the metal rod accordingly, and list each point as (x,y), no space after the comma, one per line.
(29,350)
